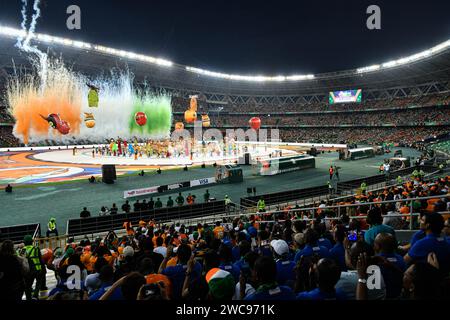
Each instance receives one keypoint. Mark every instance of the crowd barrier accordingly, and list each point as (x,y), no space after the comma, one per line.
(18,232)
(307,193)
(85,226)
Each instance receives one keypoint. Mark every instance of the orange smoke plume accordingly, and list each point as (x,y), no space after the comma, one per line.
(30,97)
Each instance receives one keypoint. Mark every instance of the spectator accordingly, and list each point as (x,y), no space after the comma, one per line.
(85,213)
(158,204)
(265,274)
(226,262)
(395,222)
(129,285)
(375,221)
(190,199)
(349,280)
(285,267)
(327,273)
(169,202)
(12,270)
(113,209)
(93,282)
(126,207)
(137,206)
(206,196)
(311,247)
(433,224)
(177,273)
(338,251)
(221,284)
(8,189)
(151,204)
(159,247)
(106,277)
(179,200)
(391,264)
(421,282)
(103,211)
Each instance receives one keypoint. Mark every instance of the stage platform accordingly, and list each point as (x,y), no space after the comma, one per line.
(55,164)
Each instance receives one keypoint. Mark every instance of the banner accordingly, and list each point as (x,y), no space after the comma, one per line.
(140,192)
(202,182)
(165,188)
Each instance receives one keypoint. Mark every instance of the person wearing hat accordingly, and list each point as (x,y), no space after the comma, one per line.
(37,269)
(285,267)
(220,283)
(51,228)
(261,205)
(363,187)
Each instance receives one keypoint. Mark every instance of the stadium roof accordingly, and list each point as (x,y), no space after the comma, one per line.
(429,66)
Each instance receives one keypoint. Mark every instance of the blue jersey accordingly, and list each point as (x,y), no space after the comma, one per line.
(285,272)
(277,293)
(317,294)
(432,243)
(308,251)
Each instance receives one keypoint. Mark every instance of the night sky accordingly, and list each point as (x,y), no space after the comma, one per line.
(251,37)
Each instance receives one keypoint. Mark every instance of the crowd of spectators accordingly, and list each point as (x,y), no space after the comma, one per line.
(285,255)
(405,136)
(404,126)
(181,105)
(412,117)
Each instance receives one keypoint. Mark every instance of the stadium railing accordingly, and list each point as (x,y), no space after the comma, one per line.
(92,225)
(18,232)
(323,192)
(338,210)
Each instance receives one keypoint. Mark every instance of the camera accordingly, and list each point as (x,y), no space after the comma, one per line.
(151,290)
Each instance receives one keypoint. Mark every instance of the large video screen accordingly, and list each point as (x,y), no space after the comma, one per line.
(345,96)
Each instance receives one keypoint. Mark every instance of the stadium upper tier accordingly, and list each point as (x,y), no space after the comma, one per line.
(430,67)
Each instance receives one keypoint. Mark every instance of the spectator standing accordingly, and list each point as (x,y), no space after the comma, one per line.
(113,209)
(85,213)
(170,202)
(179,200)
(206,196)
(158,204)
(126,207)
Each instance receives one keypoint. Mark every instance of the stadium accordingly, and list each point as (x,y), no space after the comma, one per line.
(165,181)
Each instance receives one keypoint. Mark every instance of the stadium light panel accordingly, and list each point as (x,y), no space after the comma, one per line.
(14,32)
(259,78)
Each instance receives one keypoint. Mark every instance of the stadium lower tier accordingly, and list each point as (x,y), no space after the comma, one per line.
(370,135)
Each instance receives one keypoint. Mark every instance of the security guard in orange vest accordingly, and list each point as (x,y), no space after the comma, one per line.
(190,199)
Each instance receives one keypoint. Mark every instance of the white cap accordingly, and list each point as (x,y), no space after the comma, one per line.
(280,247)
(128,251)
